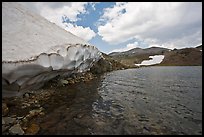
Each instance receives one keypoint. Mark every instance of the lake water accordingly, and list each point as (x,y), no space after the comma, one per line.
(148,100)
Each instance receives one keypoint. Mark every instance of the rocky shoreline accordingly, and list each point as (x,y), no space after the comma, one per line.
(18,112)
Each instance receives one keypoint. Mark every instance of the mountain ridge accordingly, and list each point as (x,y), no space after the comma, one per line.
(137,55)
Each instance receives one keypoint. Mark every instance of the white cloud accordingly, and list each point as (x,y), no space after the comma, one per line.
(155,23)
(128,47)
(84,32)
(187,41)
(53,11)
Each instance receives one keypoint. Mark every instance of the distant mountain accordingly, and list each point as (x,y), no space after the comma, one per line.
(176,57)
(183,57)
(137,55)
(139,51)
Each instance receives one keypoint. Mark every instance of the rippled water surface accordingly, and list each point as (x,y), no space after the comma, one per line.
(149,100)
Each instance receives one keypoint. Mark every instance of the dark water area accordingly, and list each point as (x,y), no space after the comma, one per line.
(149,100)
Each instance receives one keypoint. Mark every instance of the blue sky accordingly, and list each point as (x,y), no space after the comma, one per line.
(121,26)
(90,20)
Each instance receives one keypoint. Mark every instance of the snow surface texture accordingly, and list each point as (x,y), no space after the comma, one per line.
(36,50)
(154,60)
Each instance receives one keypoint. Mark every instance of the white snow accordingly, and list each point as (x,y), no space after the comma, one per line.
(156,59)
(25,31)
(35,50)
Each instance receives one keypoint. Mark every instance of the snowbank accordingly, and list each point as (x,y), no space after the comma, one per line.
(35,50)
(154,60)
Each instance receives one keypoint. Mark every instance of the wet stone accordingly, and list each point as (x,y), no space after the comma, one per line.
(8,120)
(32,129)
(64,81)
(16,130)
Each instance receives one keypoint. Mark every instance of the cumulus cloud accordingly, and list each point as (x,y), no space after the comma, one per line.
(54,11)
(173,24)
(84,32)
(128,47)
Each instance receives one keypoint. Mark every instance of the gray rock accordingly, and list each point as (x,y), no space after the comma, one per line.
(8,120)
(16,130)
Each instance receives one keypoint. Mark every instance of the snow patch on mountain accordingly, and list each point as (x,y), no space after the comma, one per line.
(157,59)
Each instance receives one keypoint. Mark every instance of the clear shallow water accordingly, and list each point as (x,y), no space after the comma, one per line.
(150,100)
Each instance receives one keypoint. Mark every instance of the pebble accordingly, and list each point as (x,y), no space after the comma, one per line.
(42,113)
(35,101)
(26,95)
(25,105)
(64,81)
(80,115)
(35,111)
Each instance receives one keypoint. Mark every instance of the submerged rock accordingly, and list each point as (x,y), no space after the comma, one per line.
(32,129)
(8,120)
(16,130)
